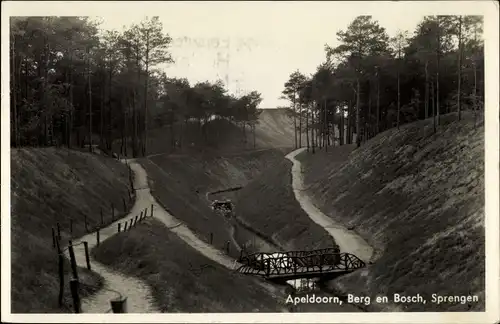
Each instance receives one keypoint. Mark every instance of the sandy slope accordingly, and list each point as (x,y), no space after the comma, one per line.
(347,240)
(275,129)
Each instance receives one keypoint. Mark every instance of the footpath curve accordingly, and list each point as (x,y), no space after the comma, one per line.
(138,292)
(348,241)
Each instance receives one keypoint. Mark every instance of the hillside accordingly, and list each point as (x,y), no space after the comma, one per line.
(181,184)
(417,198)
(185,280)
(274,129)
(50,186)
(268,205)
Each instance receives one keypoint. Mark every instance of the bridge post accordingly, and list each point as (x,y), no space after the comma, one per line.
(268,267)
(294,266)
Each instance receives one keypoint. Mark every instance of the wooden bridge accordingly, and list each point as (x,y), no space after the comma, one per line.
(282,266)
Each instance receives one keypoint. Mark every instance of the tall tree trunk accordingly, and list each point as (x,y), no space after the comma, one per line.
(71,101)
(358,98)
(341,127)
(313,127)
(433,106)
(325,122)
(103,93)
(307,127)
(110,114)
(146,85)
(134,125)
(377,130)
(295,121)
(90,103)
(368,122)
(349,122)
(399,90)
(426,105)
(459,78)
(300,125)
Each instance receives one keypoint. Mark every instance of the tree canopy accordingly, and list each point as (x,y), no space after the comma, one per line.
(73,83)
(371,82)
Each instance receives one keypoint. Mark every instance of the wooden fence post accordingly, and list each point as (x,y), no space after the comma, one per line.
(119,227)
(152,210)
(112,212)
(53,238)
(142,214)
(73,260)
(87,258)
(61,274)
(227,247)
(98,237)
(145,211)
(73,284)
(211,238)
(130,225)
(124,205)
(125,227)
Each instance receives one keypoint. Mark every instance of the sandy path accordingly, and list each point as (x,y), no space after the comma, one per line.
(177,226)
(138,293)
(183,232)
(348,241)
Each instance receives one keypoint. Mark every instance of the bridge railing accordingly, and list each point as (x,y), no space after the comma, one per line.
(294,265)
(298,253)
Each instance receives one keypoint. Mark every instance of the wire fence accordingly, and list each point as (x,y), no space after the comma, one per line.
(62,237)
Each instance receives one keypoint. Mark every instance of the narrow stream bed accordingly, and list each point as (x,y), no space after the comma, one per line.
(251,241)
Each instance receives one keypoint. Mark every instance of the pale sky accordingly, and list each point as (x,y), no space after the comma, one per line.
(256,45)
(253,46)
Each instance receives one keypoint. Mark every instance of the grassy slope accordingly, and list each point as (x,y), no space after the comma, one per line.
(49,186)
(183,280)
(418,198)
(180,184)
(269,206)
(275,129)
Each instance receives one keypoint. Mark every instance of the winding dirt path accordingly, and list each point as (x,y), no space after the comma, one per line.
(348,241)
(138,293)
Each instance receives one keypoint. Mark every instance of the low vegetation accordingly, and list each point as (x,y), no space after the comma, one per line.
(181,185)
(50,186)
(183,280)
(418,198)
(269,207)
